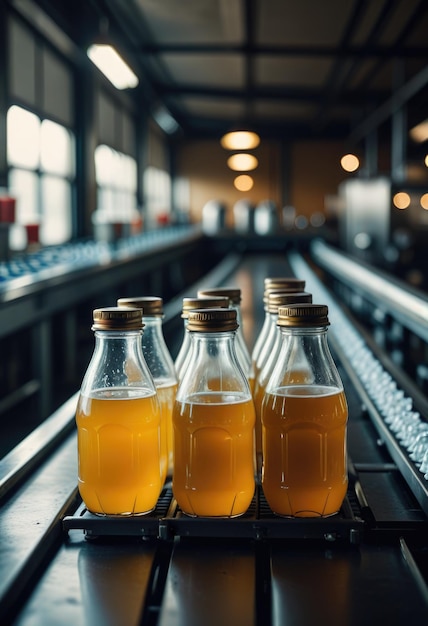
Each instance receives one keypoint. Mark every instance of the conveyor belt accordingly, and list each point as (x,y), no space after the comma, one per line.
(55,574)
(167,522)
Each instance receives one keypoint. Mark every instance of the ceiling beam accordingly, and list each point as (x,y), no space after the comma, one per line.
(400,97)
(351,98)
(349,51)
(332,83)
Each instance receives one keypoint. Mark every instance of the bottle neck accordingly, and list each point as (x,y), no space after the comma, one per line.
(118,344)
(304,359)
(213,366)
(117,361)
(117,335)
(301,330)
(156,352)
(311,340)
(217,348)
(225,339)
(152,329)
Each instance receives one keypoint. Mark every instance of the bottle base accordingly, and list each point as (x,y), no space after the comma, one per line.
(213,517)
(124,514)
(305,514)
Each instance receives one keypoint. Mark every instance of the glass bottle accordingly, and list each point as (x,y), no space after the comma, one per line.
(304,420)
(118,420)
(234,295)
(161,367)
(272,344)
(213,422)
(272,285)
(190,304)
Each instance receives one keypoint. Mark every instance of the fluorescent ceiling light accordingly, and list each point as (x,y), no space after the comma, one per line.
(111,64)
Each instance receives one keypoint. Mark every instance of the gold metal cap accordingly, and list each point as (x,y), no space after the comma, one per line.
(233,293)
(190,304)
(212,320)
(275,283)
(150,305)
(278,299)
(303,315)
(281,285)
(117,318)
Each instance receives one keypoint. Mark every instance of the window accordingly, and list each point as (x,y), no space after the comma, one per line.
(41,173)
(116,177)
(157,192)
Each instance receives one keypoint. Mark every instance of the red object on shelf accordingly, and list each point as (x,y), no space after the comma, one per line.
(32,233)
(7,209)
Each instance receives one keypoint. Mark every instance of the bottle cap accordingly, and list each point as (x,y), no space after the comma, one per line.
(152,306)
(203,303)
(117,318)
(212,320)
(282,285)
(278,299)
(303,315)
(233,293)
(276,283)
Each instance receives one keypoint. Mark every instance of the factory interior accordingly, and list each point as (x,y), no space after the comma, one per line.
(122,181)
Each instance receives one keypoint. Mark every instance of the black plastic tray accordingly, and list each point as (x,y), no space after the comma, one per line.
(167,521)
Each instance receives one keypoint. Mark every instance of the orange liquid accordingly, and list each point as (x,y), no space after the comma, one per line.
(213,454)
(119,451)
(304,450)
(166,396)
(251,381)
(258,394)
(296,377)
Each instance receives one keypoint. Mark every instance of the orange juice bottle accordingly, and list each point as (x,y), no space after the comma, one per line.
(161,367)
(272,285)
(204,302)
(118,420)
(242,352)
(213,421)
(304,420)
(268,353)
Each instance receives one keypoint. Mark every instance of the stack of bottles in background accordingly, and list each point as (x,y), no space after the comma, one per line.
(161,367)
(242,352)
(271,285)
(213,422)
(304,419)
(190,304)
(119,469)
(269,355)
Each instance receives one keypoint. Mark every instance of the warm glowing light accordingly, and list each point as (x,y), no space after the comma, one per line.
(419,133)
(401,200)
(350,162)
(240,140)
(424,201)
(243,182)
(426,160)
(242,162)
(111,64)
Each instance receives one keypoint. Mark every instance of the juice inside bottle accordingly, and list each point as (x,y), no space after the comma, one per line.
(166,397)
(119,451)
(258,395)
(296,377)
(213,460)
(304,450)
